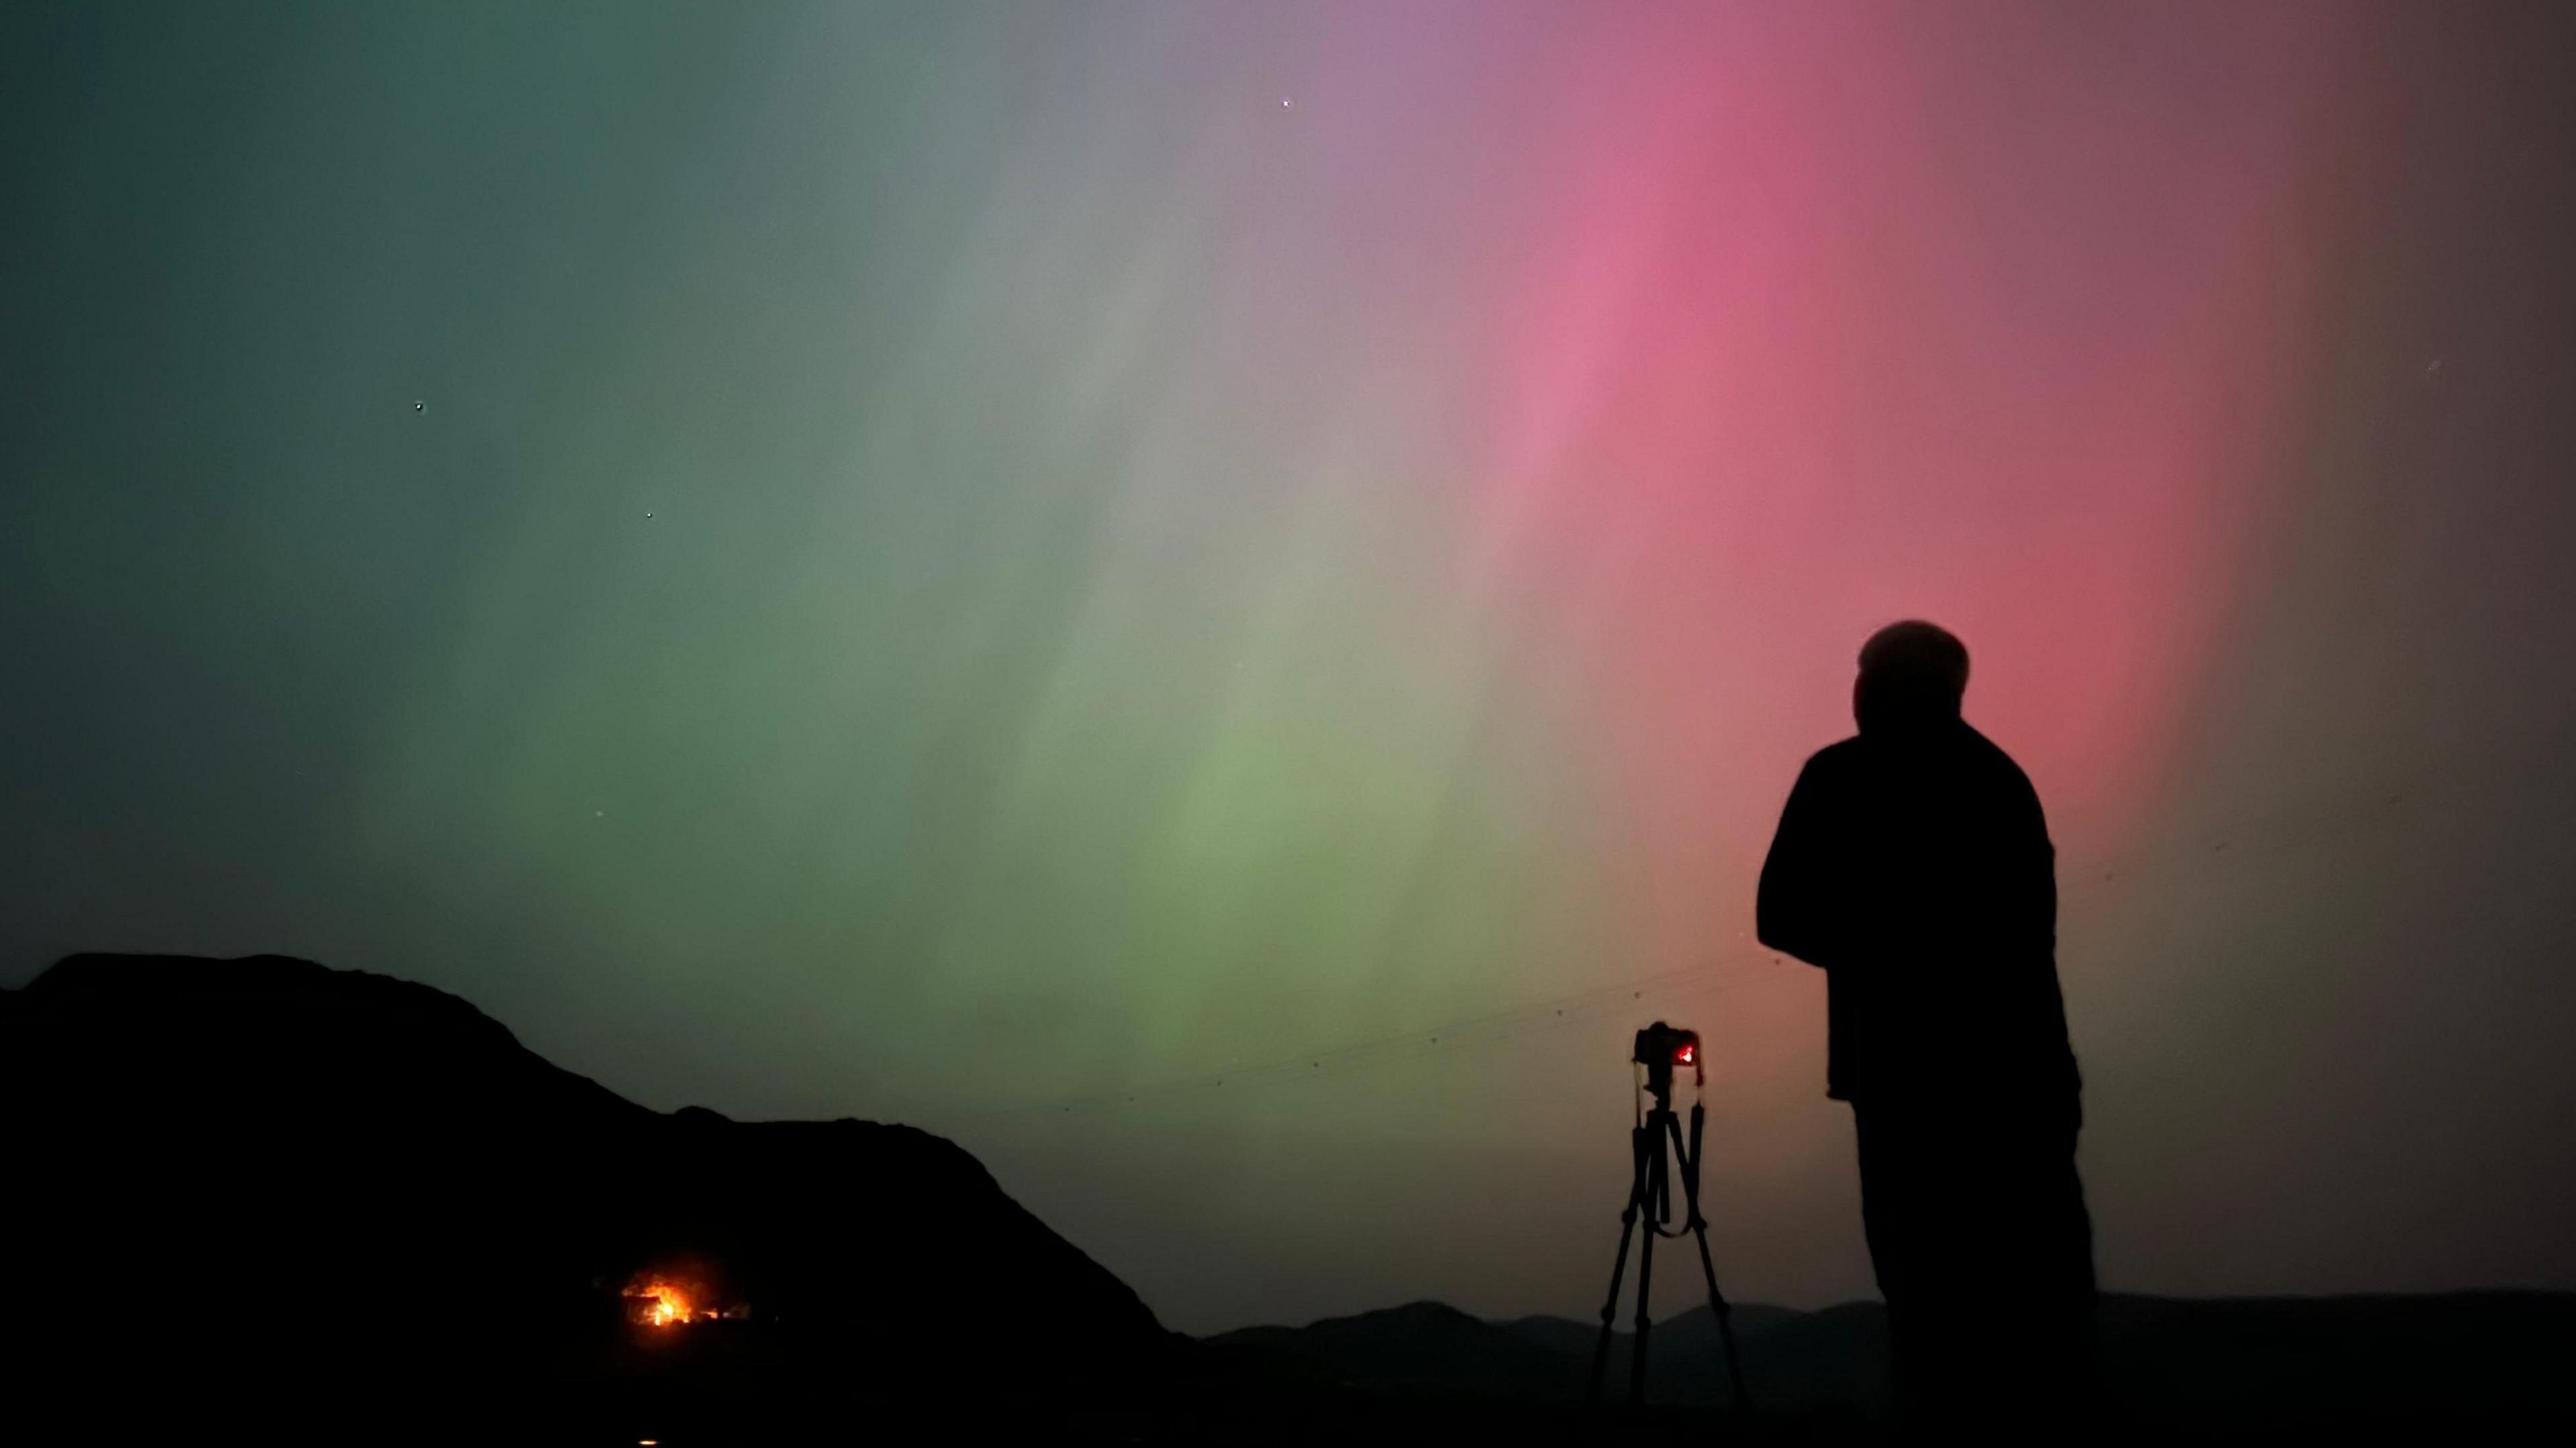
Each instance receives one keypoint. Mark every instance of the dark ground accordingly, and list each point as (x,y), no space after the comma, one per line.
(261,1200)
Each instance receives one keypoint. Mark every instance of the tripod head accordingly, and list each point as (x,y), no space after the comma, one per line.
(1660,1048)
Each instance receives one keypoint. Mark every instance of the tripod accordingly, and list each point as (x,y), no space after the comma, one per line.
(1654,1142)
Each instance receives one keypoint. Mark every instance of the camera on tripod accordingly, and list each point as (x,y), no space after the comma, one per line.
(1656,1146)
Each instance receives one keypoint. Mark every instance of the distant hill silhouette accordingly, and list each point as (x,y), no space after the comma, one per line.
(2207,1367)
(345,1198)
(1422,1345)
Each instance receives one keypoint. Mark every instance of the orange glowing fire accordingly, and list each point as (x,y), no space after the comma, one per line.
(661,1302)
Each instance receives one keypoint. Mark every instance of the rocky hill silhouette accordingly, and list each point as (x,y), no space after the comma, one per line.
(265,1187)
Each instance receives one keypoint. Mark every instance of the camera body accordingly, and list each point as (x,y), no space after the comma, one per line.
(1660,1048)
(1666,1046)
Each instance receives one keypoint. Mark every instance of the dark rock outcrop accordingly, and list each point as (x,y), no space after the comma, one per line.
(321,1192)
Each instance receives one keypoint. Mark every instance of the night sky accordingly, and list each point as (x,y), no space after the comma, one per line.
(1001,567)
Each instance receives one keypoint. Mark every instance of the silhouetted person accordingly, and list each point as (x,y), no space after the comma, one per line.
(1914,865)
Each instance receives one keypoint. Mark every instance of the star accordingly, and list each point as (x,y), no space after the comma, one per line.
(420,407)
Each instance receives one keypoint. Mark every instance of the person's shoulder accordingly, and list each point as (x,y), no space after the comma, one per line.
(1992,756)
(1834,758)
(1832,770)
(1985,748)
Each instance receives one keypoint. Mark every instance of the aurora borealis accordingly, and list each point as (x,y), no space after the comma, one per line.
(965,564)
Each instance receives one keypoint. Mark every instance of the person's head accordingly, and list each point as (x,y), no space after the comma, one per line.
(1911,674)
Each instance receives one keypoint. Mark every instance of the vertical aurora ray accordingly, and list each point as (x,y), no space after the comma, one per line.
(1098,679)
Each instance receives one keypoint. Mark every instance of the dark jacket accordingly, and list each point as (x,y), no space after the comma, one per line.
(1914,865)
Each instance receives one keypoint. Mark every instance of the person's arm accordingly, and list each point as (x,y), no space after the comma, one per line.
(1796,908)
(2029,905)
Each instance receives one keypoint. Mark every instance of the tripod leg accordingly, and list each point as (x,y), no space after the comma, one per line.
(1658,1192)
(1619,1265)
(1707,1265)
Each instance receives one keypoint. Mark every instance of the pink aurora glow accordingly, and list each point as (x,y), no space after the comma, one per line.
(1823,334)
